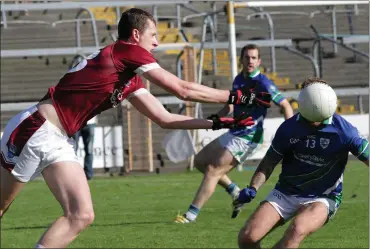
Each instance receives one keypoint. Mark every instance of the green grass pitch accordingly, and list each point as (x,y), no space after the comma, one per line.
(138,212)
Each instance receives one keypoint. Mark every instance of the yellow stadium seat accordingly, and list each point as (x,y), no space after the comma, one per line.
(162,26)
(172,35)
(346,109)
(107,14)
(293,103)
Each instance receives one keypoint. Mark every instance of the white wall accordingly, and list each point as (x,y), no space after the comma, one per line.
(108,150)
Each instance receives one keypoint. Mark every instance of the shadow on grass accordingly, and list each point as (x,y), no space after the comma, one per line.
(93,225)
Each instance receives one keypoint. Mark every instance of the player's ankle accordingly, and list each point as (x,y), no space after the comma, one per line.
(192,213)
(233,190)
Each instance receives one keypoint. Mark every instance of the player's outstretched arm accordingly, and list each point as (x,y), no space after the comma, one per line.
(186,90)
(265,168)
(261,175)
(148,105)
(286,108)
(199,93)
(226,110)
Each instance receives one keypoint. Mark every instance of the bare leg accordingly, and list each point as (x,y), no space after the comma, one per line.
(225,181)
(9,189)
(214,161)
(309,219)
(67,181)
(259,224)
(202,161)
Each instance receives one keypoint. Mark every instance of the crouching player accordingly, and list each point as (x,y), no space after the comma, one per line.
(314,153)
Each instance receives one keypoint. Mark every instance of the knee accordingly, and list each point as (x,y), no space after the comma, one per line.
(296,232)
(214,171)
(248,238)
(207,168)
(81,219)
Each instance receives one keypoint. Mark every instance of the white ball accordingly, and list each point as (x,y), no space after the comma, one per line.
(317,102)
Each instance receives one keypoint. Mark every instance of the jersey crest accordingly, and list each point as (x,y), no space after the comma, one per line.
(324,142)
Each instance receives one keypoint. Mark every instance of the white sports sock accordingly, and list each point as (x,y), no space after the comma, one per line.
(235,192)
(39,246)
(190,216)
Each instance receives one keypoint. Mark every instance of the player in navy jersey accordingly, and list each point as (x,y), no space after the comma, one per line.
(314,156)
(237,145)
(39,139)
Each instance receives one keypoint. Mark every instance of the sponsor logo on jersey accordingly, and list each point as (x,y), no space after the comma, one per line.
(116,97)
(324,142)
(318,161)
(294,140)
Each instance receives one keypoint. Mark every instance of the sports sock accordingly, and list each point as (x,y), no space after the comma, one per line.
(233,190)
(39,246)
(192,212)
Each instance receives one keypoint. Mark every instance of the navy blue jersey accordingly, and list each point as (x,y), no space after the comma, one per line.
(314,158)
(259,82)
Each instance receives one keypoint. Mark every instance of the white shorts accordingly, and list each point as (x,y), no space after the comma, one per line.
(30,143)
(241,148)
(287,205)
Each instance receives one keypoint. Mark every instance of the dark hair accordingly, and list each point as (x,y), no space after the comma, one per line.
(133,19)
(248,47)
(312,80)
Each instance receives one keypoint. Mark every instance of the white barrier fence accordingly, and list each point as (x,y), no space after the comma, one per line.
(108,149)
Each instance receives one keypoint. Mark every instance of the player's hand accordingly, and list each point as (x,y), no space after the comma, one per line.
(248,96)
(246,195)
(225,122)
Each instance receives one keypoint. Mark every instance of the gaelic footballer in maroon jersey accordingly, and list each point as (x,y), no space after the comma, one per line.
(38,140)
(101,81)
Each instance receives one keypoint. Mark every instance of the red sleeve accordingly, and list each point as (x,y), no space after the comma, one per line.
(133,57)
(135,88)
(138,83)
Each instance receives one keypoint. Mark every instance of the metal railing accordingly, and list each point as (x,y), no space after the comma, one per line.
(271,35)
(166,100)
(183,4)
(209,20)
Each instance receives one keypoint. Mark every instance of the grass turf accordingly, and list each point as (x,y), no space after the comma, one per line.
(138,212)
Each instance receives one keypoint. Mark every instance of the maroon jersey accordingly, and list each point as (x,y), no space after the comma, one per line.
(99,82)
